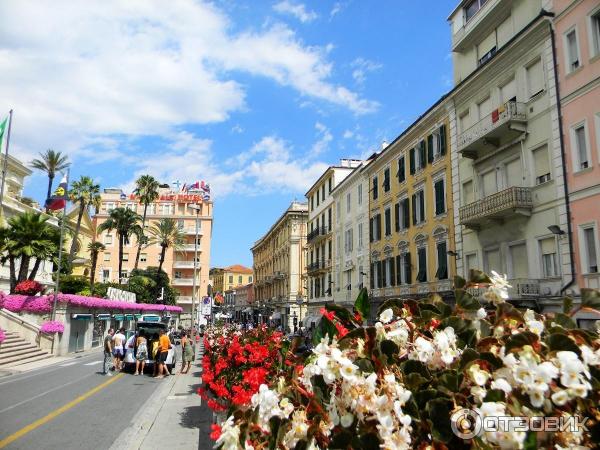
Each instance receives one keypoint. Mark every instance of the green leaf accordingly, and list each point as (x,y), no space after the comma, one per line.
(478,277)
(565,321)
(494,395)
(459,282)
(468,355)
(495,361)
(451,380)
(519,340)
(414,380)
(341,313)
(508,311)
(467,338)
(391,303)
(444,308)
(424,395)
(341,439)
(530,442)
(369,441)
(346,341)
(439,419)
(567,305)
(365,365)
(590,298)
(466,301)
(558,341)
(325,328)
(485,328)
(413,366)
(389,348)
(362,305)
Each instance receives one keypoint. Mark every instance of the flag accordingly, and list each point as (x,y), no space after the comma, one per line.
(2,129)
(194,186)
(205,187)
(58,200)
(184,188)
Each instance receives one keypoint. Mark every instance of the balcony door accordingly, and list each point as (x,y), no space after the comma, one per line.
(518,260)
(513,173)
(492,260)
(489,183)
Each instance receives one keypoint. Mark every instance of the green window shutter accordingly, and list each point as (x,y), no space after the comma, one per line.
(392,271)
(407,268)
(411,154)
(442,271)
(372,276)
(397,215)
(378,217)
(430,148)
(414,209)
(371,229)
(406,212)
(401,170)
(443,139)
(380,275)
(398,273)
(423,154)
(439,197)
(422,265)
(422,203)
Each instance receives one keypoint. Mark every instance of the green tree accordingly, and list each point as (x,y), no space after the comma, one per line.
(51,162)
(86,193)
(146,188)
(167,234)
(126,223)
(94,248)
(147,284)
(28,237)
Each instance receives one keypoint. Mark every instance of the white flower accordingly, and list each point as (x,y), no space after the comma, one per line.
(481,314)
(386,316)
(348,371)
(298,429)
(502,385)
(560,398)
(478,393)
(479,376)
(423,350)
(347,420)
(497,292)
(230,435)
(546,371)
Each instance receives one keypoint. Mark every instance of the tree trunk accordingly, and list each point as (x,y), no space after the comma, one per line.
(77,229)
(23,268)
(93,273)
(13,276)
(121,237)
(141,238)
(50,180)
(35,269)
(163,251)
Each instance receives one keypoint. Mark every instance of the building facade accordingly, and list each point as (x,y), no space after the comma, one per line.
(179,265)
(226,278)
(411,226)
(351,236)
(82,264)
(279,262)
(577,38)
(244,301)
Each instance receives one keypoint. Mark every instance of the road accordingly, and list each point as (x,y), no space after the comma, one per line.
(69,406)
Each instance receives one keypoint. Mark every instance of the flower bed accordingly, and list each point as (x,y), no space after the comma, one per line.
(2,336)
(52,326)
(29,287)
(43,304)
(426,375)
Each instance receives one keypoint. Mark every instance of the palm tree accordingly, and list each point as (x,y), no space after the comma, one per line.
(51,162)
(146,188)
(126,224)
(94,248)
(167,234)
(28,237)
(86,193)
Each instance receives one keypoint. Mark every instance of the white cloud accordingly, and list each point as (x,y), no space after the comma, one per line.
(75,72)
(298,10)
(362,67)
(322,143)
(337,8)
(237,128)
(348,134)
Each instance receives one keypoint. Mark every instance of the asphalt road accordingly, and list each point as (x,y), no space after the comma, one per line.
(70,405)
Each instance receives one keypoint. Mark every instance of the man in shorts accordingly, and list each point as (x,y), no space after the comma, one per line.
(163,350)
(108,347)
(119,348)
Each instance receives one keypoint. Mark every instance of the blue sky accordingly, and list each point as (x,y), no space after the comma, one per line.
(256,98)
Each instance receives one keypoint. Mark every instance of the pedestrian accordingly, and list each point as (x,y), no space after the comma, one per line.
(155,353)
(118,348)
(187,353)
(164,344)
(107,353)
(142,353)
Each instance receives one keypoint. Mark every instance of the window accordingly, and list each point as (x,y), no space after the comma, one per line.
(513,172)
(401,170)
(549,261)
(108,239)
(535,78)
(125,256)
(323,192)
(124,274)
(492,261)
(404,211)
(110,206)
(250,279)
(386,179)
(484,107)
(442,260)
(464,120)
(508,91)
(440,197)
(595,33)
(418,207)
(403,275)
(489,183)
(106,275)
(330,185)
(360,235)
(417,157)
(318,198)
(360,194)
(375,188)
(580,146)
(106,256)
(240,279)
(541,165)
(470,263)
(230,279)
(472,7)
(388,222)
(590,250)
(312,203)
(467,192)
(143,257)
(375,228)
(178,274)
(348,202)
(571,51)
(338,210)
(348,240)
(422,264)
(436,144)
(329,213)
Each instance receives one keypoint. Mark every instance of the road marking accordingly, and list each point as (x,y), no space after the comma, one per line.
(57,412)
(68,364)
(92,363)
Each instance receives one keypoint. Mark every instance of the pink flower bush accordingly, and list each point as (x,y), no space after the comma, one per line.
(52,326)
(2,336)
(43,304)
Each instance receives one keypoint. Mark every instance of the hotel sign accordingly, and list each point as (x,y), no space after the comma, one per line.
(179,198)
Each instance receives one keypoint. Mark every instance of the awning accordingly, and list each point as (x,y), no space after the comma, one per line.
(248,310)
(276,316)
(102,316)
(309,320)
(81,317)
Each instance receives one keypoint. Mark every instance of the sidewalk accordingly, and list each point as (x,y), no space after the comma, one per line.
(53,360)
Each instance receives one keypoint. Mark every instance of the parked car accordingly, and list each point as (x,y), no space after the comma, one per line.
(151,329)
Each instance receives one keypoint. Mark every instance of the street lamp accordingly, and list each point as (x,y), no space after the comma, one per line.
(196,208)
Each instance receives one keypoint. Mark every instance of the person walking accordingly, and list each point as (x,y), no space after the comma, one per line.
(164,343)
(107,353)
(141,354)
(187,353)
(118,348)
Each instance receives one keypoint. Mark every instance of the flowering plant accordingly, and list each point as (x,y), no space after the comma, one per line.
(236,363)
(28,287)
(402,382)
(52,326)
(2,336)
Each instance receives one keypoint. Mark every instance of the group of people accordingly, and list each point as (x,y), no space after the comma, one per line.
(143,346)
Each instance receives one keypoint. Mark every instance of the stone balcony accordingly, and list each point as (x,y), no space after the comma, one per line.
(498,206)
(591,280)
(191,231)
(191,248)
(500,126)
(185,265)
(318,266)
(182,281)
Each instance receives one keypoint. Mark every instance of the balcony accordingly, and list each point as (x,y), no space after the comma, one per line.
(591,280)
(491,14)
(520,288)
(269,279)
(190,247)
(185,265)
(500,126)
(318,266)
(184,299)
(279,275)
(191,231)
(498,206)
(182,281)
(317,234)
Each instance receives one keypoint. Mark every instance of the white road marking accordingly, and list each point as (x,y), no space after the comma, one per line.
(92,363)
(68,364)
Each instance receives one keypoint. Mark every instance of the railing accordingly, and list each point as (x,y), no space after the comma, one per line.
(496,204)
(317,232)
(318,265)
(191,231)
(185,264)
(507,112)
(182,281)
(520,288)
(191,247)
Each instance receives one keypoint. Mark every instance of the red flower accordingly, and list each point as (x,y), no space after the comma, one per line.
(216,431)
(28,287)
(342,330)
(434,324)
(330,315)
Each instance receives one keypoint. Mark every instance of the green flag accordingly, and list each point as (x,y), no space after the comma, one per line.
(2,128)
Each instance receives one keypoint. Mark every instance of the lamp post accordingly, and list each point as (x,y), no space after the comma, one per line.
(196,208)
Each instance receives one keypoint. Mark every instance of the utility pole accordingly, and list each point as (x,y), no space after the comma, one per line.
(5,164)
(197,209)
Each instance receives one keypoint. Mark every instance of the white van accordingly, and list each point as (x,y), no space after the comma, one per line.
(151,330)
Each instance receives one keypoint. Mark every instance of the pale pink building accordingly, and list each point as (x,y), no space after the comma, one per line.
(577,33)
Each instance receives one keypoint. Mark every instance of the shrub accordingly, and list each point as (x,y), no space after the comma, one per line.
(52,326)
(28,287)
(73,284)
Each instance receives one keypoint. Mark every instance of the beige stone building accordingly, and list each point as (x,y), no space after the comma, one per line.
(179,265)
(226,278)
(279,265)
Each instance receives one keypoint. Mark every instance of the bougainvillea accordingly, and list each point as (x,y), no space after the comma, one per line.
(2,336)
(52,326)
(43,304)
(28,287)
(427,375)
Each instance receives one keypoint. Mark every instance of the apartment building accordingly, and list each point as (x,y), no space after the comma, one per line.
(411,226)
(227,278)
(351,236)
(577,38)
(319,240)
(178,264)
(279,262)
(244,302)
(508,185)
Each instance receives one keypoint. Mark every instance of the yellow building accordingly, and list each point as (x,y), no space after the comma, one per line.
(82,264)
(411,223)
(227,278)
